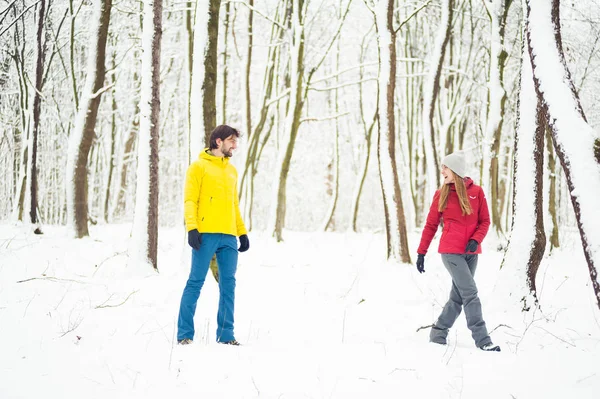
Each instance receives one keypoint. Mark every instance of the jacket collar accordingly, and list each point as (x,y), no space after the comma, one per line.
(211,158)
(468,183)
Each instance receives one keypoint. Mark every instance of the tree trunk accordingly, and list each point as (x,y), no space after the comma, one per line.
(204,77)
(189,12)
(527,238)
(397,241)
(83,134)
(145,223)
(113,138)
(575,141)
(248,68)
(497,11)
(32,181)
(292,122)
(554,238)
(225,65)
(430,94)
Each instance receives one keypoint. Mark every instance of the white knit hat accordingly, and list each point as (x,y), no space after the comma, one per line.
(456,162)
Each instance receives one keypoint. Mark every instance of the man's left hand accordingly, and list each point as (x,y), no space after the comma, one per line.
(244,243)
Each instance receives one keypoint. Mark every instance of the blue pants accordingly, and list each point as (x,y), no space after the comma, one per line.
(225,246)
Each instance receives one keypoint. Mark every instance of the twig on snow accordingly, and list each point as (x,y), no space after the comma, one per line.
(102,305)
(424,327)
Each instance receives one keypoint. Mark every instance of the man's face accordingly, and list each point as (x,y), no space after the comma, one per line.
(228,145)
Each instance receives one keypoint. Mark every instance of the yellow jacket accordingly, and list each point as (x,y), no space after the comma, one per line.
(210,196)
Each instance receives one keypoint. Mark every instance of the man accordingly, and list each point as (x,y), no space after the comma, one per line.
(213,220)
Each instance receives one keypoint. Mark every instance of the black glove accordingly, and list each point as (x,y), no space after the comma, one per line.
(471,246)
(194,239)
(244,243)
(421,263)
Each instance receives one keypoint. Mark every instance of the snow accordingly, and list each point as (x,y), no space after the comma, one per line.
(321,315)
(575,136)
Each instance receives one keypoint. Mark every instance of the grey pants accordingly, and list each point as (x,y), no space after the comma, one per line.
(463,294)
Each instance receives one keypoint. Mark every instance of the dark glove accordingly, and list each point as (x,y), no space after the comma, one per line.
(421,263)
(471,246)
(194,239)
(244,243)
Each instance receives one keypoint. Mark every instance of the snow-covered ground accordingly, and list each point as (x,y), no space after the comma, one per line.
(319,316)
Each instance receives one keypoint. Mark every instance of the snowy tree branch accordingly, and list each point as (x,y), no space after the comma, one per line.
(415,12)
(325,118)
(254,9)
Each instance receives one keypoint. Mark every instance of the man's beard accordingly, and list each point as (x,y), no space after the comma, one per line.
(228,153)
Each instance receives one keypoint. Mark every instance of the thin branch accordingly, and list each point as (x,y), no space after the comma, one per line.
(257,11)
(424,327)
(101,91)
(279,97)
(415,12)
(325,118)
(338,73)
(102,306)
(331,42)
(53,279)
(342,85)
(17,18)
(498,326)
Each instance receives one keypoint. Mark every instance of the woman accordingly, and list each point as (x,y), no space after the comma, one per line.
(463,208)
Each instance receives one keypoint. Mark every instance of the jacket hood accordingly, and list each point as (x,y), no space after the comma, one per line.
(209,157)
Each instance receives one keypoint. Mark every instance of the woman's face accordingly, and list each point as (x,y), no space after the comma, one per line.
(448,175)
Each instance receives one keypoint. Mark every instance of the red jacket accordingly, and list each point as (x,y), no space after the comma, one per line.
(458,229)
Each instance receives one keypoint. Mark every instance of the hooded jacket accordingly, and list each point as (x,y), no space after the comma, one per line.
(458,229)
(210,196)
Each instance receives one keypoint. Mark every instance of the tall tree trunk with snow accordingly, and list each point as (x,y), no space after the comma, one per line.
(254,146)
(248,103)
(575,141)
(225,68)
(292,121)
(365,154)
(397,241)
(335,106)
(554,237)
(189,13)
(497,11)
(145,223)
(82,136)
(113,137)
(527,237)
(204,77)
(32,173)
(430,94)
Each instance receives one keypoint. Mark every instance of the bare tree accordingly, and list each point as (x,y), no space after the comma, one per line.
(82,136)
(575,141)
(145,223)
(497,11)
(430,94)
(397,240)
(32,173)
(527,242)
(204,77)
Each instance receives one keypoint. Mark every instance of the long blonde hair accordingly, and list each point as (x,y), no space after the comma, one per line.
(461,191)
